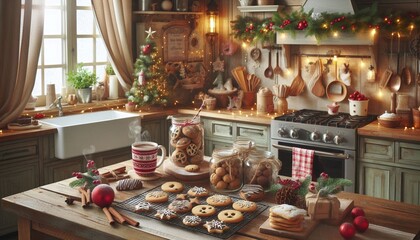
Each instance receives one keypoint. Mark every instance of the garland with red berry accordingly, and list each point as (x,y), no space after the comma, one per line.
(89,179)
(327,186)
(322,25)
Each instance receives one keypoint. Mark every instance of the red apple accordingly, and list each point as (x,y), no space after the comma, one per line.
(103,195)
(357,211)
(347,230)
(361,223)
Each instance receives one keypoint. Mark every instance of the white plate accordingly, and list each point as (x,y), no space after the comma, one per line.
(13,126)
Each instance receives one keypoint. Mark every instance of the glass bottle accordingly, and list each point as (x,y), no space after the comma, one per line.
(181,5)
(186,145)
(261,167)
(226,173)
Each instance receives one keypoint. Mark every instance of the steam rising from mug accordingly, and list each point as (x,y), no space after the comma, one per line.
(87,151)
(135,132)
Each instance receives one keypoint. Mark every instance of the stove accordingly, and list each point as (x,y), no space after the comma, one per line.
(318,127)
(332,137)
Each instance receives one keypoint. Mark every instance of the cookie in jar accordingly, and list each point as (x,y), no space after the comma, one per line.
(226,173)
(186,145)
(261,167)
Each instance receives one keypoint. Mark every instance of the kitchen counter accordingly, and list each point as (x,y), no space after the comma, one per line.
(43,210)
(9,135)
(374,129)
(245,115)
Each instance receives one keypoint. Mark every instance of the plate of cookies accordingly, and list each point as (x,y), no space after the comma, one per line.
(194,208)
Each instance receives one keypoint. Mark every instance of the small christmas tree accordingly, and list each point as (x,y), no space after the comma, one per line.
(150,86)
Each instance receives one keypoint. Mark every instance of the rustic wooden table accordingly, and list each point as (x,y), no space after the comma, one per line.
(43,211)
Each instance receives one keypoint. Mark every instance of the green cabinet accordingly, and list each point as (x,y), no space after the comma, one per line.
(389,169)
(219,134)
(157,130)
(377,180)
(19,171)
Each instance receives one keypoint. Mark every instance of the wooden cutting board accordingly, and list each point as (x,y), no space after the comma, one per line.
(180,173)
(308,226)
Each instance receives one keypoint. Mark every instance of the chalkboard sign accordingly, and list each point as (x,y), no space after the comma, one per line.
(175,41)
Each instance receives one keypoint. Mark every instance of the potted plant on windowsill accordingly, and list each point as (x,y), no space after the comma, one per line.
(82,80)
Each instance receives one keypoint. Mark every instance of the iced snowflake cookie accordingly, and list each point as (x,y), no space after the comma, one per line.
(191,220)
(219,200)
(165,214)
(142,207)
(244,206)
(156,197)
(198,192)
(215,226)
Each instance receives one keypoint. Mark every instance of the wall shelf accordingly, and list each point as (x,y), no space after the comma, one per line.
(166,13)
(261,8)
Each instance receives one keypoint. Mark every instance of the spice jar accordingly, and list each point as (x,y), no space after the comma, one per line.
(226,170)
(261,167)
(186,145)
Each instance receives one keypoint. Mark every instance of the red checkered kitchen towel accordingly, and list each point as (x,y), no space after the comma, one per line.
(302,162)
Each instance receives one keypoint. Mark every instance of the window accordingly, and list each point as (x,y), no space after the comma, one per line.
(70,37)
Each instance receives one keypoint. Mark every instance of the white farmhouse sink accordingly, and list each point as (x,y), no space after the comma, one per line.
(105,130)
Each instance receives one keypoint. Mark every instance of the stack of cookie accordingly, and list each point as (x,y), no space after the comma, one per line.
(186,145)
(287,217)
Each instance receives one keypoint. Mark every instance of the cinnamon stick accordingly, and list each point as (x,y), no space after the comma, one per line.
(115,171)
(108,215)
(130,221)
(116,215)
(88,200)
(85,197)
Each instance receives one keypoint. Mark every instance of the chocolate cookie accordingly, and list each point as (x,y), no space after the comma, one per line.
(252,192)
(129,184)
(180,206)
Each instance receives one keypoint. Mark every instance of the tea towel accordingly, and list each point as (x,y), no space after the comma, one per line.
(302,162)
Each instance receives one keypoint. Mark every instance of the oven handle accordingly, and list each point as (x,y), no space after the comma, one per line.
(319,153)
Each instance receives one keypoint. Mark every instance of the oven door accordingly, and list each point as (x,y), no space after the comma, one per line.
(337,163)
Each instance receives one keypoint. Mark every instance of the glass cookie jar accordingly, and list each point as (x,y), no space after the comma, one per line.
(261,167)
(244,147)
(186,145)
(226,173)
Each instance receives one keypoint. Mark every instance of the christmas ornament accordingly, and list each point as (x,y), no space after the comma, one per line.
(142,79)
(361,223)
(147,49)
(302,25)
(150,33)
(103,195)
(355,212)
(347,230)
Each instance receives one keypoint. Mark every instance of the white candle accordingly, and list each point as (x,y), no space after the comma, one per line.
(113,87)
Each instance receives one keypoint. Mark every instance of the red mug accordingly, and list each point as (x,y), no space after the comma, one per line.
(145,157)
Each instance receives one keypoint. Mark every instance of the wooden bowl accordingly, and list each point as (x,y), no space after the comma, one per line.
(390,123)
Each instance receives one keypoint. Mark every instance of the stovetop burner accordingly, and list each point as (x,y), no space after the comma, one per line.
(315,117)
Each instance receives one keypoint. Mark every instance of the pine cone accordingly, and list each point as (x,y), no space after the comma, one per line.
(286,195)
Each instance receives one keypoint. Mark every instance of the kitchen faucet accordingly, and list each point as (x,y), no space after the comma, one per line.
(57,104)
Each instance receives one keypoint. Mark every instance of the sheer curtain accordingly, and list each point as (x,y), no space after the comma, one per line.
(114,21)
(19,53)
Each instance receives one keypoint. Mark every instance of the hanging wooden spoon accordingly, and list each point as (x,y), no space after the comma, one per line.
(268,73)
(405,72)
(298,83)
(277,69)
